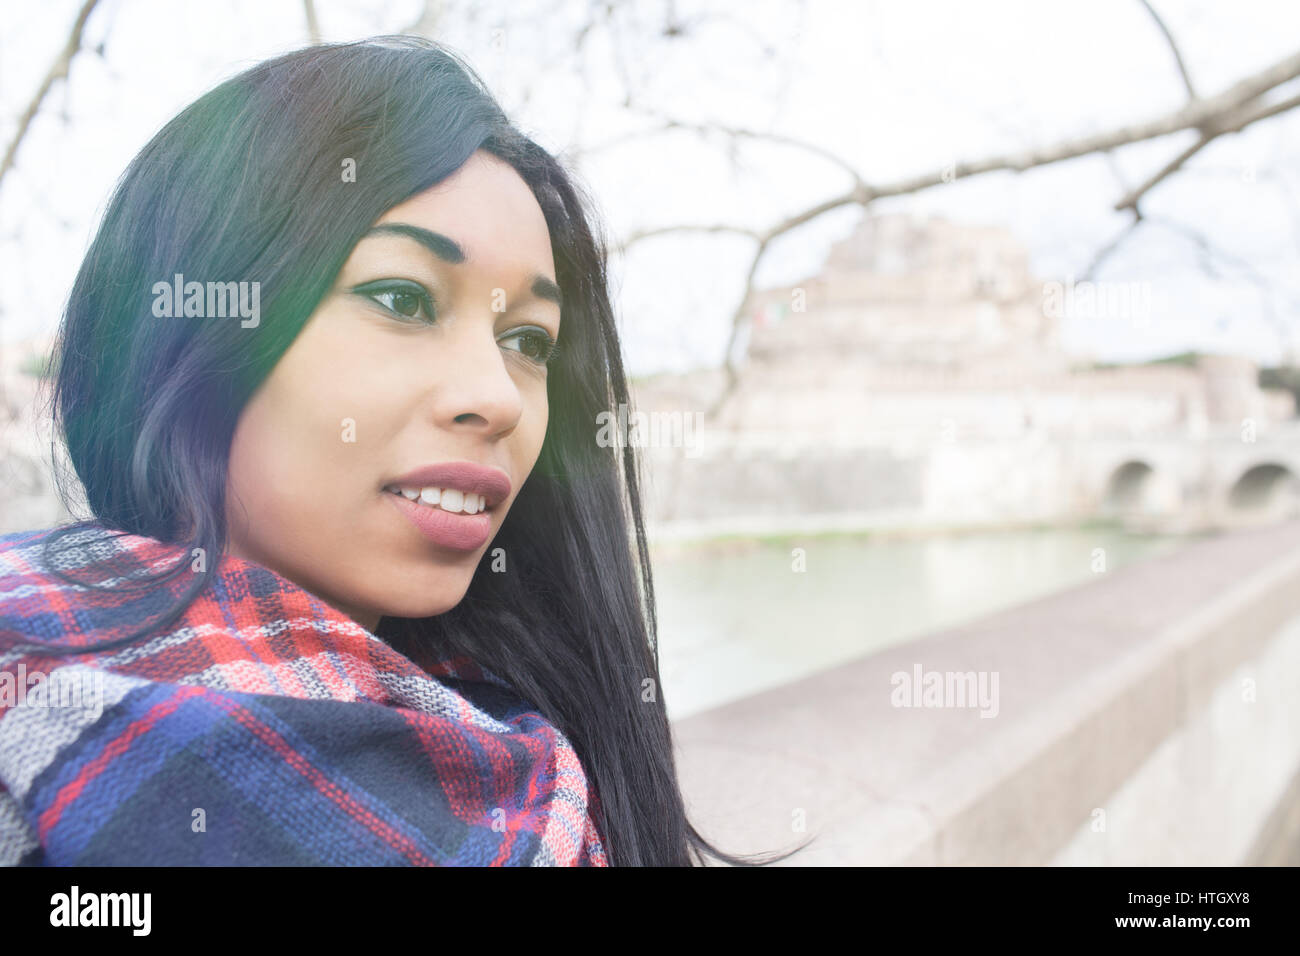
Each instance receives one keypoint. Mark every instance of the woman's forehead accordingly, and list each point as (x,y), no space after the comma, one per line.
(487,211)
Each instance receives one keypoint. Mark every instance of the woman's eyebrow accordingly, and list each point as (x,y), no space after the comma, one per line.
(448,250)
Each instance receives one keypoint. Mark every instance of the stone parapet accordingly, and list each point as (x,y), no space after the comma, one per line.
(1161,705)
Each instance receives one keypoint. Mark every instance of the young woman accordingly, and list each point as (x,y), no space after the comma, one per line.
(360,585)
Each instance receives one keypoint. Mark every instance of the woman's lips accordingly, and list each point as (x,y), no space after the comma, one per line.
(466,476)
(460,532)
(448,528)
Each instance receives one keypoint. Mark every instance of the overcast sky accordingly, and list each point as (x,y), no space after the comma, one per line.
(892,87)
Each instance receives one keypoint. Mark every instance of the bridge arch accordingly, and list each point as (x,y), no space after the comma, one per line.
(1135,487)
(1266,488)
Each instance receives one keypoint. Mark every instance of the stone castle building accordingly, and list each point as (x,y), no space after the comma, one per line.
(919,379)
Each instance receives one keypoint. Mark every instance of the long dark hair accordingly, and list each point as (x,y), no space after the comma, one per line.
(246,182)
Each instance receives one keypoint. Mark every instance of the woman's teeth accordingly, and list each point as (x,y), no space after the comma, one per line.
(446,499)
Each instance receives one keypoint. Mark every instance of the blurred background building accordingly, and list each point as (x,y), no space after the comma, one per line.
(919,381)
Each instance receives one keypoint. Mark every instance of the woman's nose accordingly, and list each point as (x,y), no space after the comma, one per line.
(475,388)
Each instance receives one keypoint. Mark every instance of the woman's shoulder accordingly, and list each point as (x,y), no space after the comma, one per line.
(79,547)
(60,580)
(19,548)
(29,590)
(11,539)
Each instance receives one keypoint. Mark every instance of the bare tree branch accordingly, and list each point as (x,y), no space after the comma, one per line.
(1208,252)
(668,124)
(1233,124)
(1254,113)
(1106,251)
(1231,111)
(426,24)
(640,234)
(58,70)
(1130,200)
(1218,114)
(1292,203)
(313,24)
(1173,48)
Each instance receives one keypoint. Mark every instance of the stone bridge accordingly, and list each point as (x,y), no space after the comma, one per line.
(1227,476)
(1215,477)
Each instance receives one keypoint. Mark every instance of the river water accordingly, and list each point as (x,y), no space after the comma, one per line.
(736,618)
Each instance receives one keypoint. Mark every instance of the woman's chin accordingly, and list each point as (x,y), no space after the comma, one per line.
(406,605)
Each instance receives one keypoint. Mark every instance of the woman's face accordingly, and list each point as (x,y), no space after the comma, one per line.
(428,351)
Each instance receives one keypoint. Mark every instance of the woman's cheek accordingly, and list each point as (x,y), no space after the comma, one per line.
(331,418)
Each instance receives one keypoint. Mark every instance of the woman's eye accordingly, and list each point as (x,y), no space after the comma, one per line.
(403,303)
(534,344)
(408,301)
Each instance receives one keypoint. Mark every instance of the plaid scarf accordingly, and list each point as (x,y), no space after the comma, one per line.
(263,727)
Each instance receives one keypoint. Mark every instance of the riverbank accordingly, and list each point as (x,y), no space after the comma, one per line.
(738,616)
(1147,717)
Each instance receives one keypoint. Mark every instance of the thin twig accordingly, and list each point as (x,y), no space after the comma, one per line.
(313,24)
(1106,251)
(1173,48)
(58,71)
